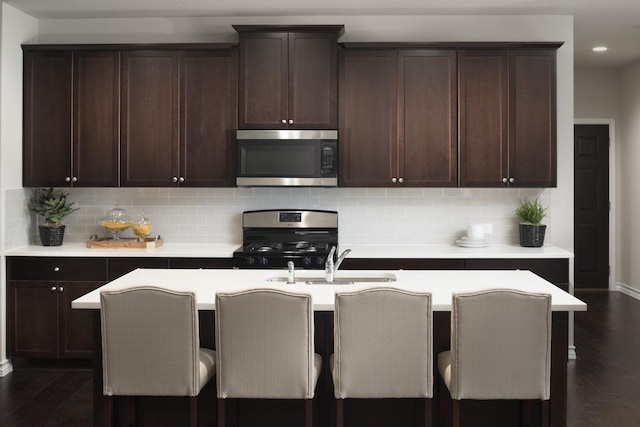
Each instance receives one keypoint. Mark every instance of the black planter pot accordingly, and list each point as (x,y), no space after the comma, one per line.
(532,236)
(51,236)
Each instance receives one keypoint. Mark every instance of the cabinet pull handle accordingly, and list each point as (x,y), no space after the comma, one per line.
(284,121)
(174,179)
(504,180)
(60,289)
(74,179)
(512,180)
(394,180)
(67,179)
(181,179)
(400,180)
(53,289)
(56,268)
(290,121)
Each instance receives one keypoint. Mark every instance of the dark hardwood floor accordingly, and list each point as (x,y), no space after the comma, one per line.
(604,382)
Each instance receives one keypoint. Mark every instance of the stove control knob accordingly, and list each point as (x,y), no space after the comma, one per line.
(250,260)
(263,261)
(320,260)
(306,261)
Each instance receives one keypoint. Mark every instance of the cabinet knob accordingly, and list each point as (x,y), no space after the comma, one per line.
(53,289)
(60,288)
(400,180)
(56,268)
(174,179)
(504,180)
(394,180)
(290,121)
(67,179)
(74,179)
(181,179)
(284,121)
(512,179)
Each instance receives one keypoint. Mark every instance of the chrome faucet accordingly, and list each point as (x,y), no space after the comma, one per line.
(330,267)
(292,273)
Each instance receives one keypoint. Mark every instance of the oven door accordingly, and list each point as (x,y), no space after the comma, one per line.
(286,158)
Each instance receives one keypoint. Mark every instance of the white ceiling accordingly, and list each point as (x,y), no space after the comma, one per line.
(615,23)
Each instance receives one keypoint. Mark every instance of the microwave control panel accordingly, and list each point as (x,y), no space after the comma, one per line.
(328,159)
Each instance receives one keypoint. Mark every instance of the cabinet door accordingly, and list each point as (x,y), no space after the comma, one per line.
(368,118)
(263,80)
(483,115)
(96,118)
(427,137)
(47,119)
(33,319)
(208,118)
(76,326)
(150,108)
(532,118)
(313,75)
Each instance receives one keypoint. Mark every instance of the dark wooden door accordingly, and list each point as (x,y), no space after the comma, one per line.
(368,118)
(427,128)
(483,116)
(208,118)
(591,206)
(33,319)
(150,119)
(96,119)
(76,326)
(532,118)
(263,69)
(313,81)
(47,119)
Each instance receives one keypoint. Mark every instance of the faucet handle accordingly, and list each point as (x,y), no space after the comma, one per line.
(331,253)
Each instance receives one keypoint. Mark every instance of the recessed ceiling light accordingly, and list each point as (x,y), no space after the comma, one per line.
(600,49)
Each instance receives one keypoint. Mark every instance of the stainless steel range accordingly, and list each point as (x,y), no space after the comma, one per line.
(272,238)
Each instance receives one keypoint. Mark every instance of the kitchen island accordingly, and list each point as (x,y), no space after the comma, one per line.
(358,412)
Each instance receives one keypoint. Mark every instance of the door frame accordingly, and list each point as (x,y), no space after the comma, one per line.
(612,192)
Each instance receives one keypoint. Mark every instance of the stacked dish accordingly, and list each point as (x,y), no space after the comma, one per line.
(466,242)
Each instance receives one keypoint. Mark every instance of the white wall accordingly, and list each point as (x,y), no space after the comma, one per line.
(17,28)
(629,178)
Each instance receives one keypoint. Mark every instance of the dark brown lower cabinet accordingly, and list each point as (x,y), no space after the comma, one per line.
(41,321)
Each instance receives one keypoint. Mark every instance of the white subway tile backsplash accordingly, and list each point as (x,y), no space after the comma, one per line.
(213,215)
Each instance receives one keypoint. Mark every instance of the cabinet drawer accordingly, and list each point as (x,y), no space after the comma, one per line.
(56,268)
(121,266)
(402,264)
(554,270)
(196,263)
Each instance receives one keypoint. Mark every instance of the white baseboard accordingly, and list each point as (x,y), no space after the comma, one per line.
(5,367)
(628,290)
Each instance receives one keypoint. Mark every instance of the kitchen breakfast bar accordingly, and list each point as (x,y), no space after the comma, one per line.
(358,412)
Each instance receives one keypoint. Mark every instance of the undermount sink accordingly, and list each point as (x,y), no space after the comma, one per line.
(346,280)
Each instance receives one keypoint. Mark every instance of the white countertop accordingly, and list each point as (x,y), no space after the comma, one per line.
(440,283)
(222,250)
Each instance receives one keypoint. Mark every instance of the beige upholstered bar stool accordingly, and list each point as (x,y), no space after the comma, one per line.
(383,347)
(265,348)
(151,345)
(500,348)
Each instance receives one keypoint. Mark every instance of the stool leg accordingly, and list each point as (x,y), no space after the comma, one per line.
(456,412)
(308,412)
(340,412)
(221,405)
(193,411)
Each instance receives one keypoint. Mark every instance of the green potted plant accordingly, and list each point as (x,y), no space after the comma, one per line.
(52,206)
(531,213)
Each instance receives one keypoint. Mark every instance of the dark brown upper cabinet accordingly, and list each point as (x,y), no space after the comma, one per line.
(71,118)
(397,118)
(288,77)
(507,109)
(178,114)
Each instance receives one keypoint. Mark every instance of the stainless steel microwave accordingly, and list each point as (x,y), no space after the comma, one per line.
(274,158)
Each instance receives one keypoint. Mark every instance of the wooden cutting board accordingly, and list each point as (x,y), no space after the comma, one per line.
(124,243)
